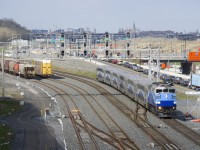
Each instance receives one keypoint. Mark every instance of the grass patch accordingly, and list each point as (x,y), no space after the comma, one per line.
(5,137)
(8,106)
(76,72)
(183,96)
(10,92)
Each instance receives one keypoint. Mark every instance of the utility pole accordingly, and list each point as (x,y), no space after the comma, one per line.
(158,64)
(2,66)
(30,43)
(150,59)
(47,44)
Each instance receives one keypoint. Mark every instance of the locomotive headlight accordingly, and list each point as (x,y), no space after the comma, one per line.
(158,102)
(159,108)
(174,102)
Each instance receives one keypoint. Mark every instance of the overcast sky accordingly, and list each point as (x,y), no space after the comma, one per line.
(104,15)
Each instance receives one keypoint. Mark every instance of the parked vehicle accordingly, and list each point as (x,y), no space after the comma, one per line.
(168,81)
(132,66)
(102,58)
(110,60)
(145,71)
(184,82)
(194,83)
(139,69)
(163,76)
(177,80)
(126,64)
(135,67)
(114,61)
(197,89)
(172,77)
(120,62)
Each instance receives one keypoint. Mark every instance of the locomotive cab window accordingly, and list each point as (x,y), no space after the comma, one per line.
(172,90)
(158,90)
(165,90)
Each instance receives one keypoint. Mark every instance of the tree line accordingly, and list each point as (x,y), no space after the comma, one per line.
(8,28)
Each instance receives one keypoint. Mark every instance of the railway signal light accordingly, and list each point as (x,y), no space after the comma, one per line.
(85,53)
(62,53)
(62,40)
(128,34)
(84,44)
(85,35)
(62,35)
(106,34)
(128,52)
(62,44)
(128,44)
(106,43)
(106,52)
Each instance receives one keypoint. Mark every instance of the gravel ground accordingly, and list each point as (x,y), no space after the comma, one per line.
(131,129)
(76,64)
(181,106)
(27,87)
(66,128)
(69,133)
(182,142)
(86,110)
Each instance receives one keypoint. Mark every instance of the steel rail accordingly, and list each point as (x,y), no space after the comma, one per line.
(158,137)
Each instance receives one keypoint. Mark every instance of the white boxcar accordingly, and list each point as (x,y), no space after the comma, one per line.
(27,70)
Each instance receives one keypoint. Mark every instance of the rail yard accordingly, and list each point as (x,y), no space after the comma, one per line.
(87,114)
(99,75)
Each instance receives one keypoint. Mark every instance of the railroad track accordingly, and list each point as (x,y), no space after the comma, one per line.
(184,130)
(139,118)
(122,139)
(118,139)
(76,118)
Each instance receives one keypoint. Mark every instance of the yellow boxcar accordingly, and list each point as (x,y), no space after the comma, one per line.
(43,67)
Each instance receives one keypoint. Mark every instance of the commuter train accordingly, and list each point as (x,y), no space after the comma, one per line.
(28,68)
(157,97)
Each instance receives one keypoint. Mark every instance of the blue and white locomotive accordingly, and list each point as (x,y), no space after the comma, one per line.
(157,97)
